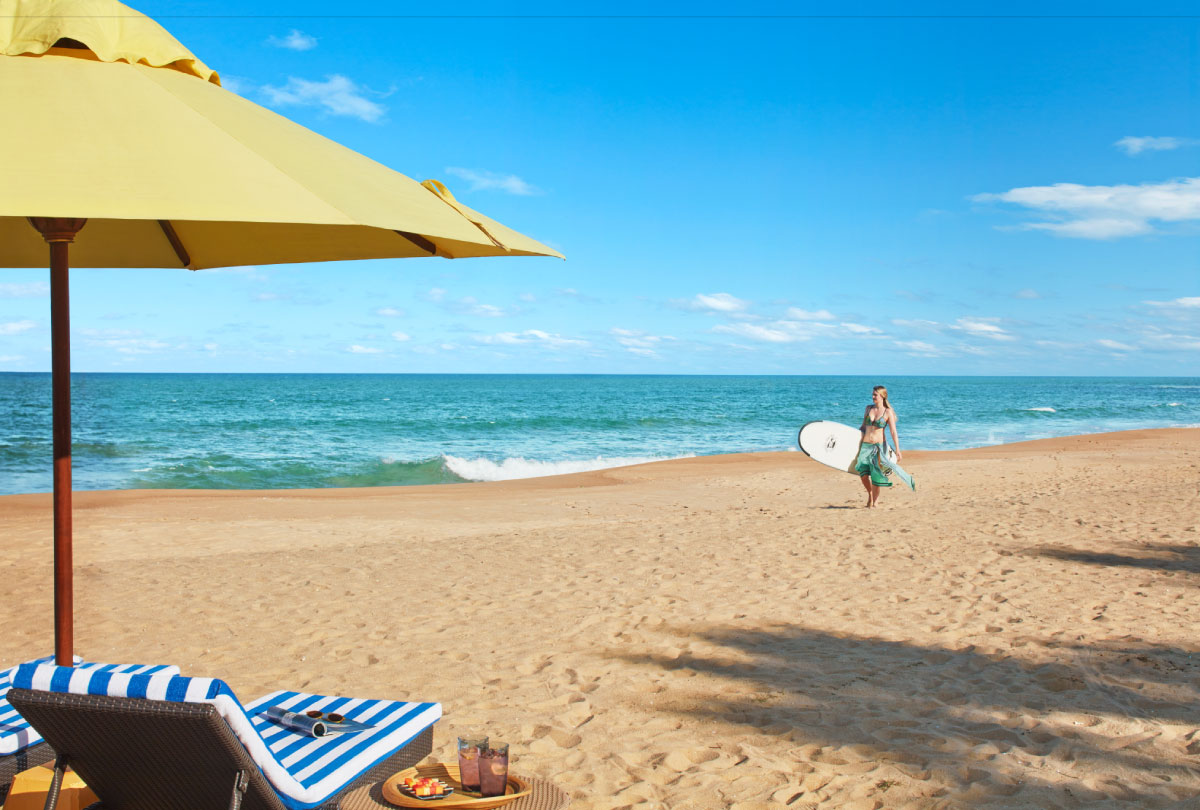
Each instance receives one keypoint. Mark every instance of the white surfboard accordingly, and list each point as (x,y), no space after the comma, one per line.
(836,445)
(831,443)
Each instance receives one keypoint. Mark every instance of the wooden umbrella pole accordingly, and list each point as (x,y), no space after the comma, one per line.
(59,233)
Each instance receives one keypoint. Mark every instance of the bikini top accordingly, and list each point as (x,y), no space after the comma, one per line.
(880,422)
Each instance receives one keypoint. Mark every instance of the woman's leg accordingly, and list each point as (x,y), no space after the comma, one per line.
(866,482)
(874,494)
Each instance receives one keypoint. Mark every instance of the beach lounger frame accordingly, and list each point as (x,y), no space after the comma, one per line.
(142,754)
(39,752)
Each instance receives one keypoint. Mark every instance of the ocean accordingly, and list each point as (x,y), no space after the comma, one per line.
(286,431)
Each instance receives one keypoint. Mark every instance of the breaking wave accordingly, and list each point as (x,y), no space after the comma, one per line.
(484,469)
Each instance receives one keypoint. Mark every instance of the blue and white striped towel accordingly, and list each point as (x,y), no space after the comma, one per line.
(16,734)
(304,771)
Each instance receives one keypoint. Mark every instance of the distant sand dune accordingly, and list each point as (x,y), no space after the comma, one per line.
(714,632)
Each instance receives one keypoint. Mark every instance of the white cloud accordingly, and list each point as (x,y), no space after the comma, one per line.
(981,327)
(471,306)
(210,347)
(1027,294)
(528,298)
(1115,346)
(130,345)
(401,336)
(337,95)
(390,312)
(1167,341)
(1178,303)
(531,336)
(294,41)
(1102,228)
(1104,212)
(11,358)
(805,315)
(1134,145)
(919,347)
(918,324)
(764,333)
(638,342)
(860,329)
(16,327)
(712,302)
(483,180)
(35,289)
(436,294)
(356,349)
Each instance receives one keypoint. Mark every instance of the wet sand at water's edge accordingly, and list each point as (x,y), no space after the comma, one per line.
(717,632)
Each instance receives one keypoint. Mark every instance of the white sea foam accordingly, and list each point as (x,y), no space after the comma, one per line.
(483,469)
(1042,410)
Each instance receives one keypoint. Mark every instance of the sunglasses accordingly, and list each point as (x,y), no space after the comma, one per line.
(328,718)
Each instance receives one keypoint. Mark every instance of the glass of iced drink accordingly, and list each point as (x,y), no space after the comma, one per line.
(493,770)
(469,749)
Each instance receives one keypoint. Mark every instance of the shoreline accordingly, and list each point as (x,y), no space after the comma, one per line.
(716,632)
(913,455)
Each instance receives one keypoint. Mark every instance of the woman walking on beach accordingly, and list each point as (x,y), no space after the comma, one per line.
(877,418)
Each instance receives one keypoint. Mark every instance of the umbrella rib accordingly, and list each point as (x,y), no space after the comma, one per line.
(420,241)
(176,243)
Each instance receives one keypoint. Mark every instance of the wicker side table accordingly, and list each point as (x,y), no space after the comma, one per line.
(543,796)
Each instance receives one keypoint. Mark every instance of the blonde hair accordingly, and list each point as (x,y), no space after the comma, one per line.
(887,405)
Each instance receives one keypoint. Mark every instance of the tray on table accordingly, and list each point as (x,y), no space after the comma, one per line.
(448,773)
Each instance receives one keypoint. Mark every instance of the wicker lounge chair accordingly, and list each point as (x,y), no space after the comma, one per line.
(21,746)
(188,744)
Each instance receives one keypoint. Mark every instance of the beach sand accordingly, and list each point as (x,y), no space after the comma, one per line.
(717,632)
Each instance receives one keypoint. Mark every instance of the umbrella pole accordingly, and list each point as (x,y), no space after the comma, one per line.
(59,233)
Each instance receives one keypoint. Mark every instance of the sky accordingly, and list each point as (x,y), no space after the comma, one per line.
(782,192)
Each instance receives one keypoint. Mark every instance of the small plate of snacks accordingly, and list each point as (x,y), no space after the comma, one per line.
(425,788)
(398,789)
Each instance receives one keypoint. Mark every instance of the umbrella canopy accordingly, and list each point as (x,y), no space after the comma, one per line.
(135,134)
(121,149)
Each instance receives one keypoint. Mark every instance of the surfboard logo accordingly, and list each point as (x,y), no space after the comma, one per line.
(831,443)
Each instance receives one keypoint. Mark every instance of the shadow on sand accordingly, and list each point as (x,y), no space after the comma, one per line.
(1171,558)
(984,730)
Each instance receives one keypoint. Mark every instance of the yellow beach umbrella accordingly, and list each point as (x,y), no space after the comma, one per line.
(121,149)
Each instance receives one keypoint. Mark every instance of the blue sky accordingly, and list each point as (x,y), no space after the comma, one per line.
(756,194)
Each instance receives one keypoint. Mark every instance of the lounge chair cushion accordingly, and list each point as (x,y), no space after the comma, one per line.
(16,734)
(304,771)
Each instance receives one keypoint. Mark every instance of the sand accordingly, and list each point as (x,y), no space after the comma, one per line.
(722,632)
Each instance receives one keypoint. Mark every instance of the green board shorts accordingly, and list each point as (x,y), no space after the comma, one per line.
(867,463)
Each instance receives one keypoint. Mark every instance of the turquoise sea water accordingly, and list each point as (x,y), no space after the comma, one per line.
(278,431)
